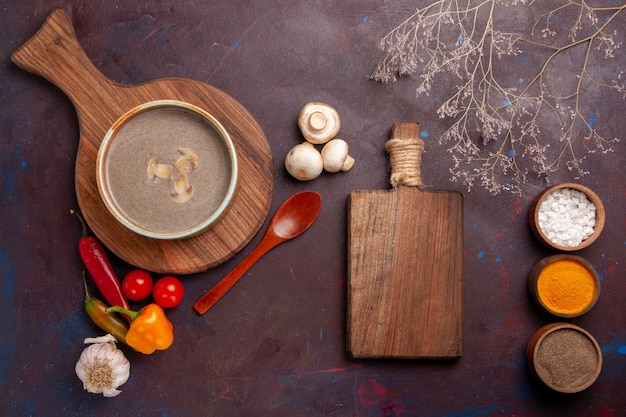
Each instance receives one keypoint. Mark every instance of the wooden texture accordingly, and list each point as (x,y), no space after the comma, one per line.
(405,271)
(292,219)
(54,53)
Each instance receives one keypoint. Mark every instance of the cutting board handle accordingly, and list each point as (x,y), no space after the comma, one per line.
(405,154)
(55,54)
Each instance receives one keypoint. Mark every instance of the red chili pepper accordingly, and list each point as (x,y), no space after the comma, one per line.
(95,259)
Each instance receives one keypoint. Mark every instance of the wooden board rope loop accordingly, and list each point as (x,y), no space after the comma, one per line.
(405,157)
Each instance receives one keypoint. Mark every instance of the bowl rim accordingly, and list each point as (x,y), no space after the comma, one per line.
(110,137)
(535,343)
(591,195)
(533,278)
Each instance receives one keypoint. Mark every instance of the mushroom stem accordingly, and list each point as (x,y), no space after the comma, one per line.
(317,120)
(348,163)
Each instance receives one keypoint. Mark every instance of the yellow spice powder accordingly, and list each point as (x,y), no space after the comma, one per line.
(566,286)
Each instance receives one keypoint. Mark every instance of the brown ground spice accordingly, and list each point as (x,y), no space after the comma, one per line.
(567,358)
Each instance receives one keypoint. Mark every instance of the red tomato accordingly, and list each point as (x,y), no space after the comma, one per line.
(137,285)
(168,292)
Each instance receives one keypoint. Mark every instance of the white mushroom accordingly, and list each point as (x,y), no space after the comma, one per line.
(182,190)
(304,162)
(187,162)
(154,169)
(318,122)
(335,156)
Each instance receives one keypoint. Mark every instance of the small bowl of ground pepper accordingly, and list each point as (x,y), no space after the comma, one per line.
(567,217)
(564,285)
(565,357)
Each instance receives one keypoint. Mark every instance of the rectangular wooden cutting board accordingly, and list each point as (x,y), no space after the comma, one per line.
(405,263)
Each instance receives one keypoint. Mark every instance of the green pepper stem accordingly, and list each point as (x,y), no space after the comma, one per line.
(87,296)
(120,309)
(82,222)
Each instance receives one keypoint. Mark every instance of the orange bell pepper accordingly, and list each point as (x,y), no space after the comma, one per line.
(149,330)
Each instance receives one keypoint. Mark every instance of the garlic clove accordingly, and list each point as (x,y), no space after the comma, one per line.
(102,367)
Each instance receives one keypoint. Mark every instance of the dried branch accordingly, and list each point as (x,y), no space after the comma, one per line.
(498,122)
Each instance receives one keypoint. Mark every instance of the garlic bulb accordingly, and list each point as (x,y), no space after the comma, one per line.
(102,366)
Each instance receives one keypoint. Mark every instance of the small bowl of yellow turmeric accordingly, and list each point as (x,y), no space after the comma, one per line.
(564,285)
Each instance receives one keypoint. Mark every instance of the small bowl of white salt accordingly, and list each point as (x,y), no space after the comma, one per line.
(567,217)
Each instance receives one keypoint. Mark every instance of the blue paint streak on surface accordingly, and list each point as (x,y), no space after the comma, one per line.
(7,339)
(592,120)
(494,326)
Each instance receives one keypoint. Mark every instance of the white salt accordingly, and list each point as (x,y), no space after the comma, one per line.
(567,217)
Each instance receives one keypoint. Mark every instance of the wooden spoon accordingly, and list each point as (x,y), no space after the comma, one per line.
(290,220)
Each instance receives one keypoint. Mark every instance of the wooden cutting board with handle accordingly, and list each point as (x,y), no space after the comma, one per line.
(55,54)
(405,263)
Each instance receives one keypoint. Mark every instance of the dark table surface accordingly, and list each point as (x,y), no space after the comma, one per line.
(275,346)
